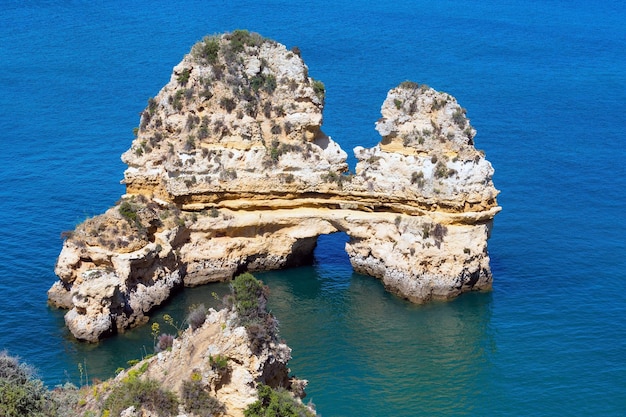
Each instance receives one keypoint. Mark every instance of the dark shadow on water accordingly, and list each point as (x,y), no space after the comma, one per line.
(353,338)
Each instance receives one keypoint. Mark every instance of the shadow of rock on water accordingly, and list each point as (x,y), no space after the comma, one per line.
(436,354)
(359,337)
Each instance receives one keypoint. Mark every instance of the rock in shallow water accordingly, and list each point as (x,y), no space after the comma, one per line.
(230,171)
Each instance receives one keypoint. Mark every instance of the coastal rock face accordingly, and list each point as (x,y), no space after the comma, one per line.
(230,171)
(221,357)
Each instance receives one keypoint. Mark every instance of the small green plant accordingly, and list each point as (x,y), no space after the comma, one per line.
(139,393)
(183,77)
(20,393)
(241,38)
(458,117)
(248,291)
(276,403)
(438,104)
(198,401)
(249,299)
(152,105)
(439,232)
(270,84)
(417,178)
(319,89)
(276,130)
(170,320)
(207,50)
(228,174)
(218,363)
(84,376)
(441,170)
(263,82)
(228,104)
(397,103)
(128,211)
(409,85)
(190,144)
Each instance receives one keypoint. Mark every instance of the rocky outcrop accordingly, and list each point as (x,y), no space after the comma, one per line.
(230,171)
(219,359)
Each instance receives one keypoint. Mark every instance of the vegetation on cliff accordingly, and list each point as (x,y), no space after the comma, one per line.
(21,394)
(187,377)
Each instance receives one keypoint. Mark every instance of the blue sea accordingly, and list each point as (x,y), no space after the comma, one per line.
(544,84)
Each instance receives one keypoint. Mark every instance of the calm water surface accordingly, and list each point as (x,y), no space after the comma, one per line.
(544,84)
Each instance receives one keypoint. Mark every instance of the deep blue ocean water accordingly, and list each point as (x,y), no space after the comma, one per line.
(544,83)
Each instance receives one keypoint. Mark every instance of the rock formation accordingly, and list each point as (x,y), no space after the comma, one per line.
(230,171)
(218,358)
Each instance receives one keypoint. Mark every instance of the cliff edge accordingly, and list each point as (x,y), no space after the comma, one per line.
(230,171)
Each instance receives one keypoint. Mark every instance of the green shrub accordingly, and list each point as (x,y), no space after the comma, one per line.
(263,82)
(319,89)
(183,77)
(418,178)
(409,85)
(228,103)
(276,130)
(198,401)
(438,104)
(276,403)
(138,393)
(458,117)
(241,37)
(207,50)
(20,393)
(441,170)
(248,291)
(249,299)
(152,105)
(218,363)
(177,99)
(128,211)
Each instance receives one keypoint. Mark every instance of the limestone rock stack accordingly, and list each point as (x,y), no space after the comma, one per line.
(230,171)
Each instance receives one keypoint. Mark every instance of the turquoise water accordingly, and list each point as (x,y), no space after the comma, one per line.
(544,84)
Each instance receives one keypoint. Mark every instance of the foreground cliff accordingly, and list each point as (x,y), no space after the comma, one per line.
(217,363)
(230,171)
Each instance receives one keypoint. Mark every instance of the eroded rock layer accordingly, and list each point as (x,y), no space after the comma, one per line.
(230,171)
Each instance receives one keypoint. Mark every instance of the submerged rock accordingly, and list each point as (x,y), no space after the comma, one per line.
(230,171)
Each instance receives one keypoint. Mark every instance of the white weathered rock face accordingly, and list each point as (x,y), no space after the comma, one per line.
(230,171)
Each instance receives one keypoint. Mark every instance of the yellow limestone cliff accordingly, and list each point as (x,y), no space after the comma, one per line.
(230,171)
